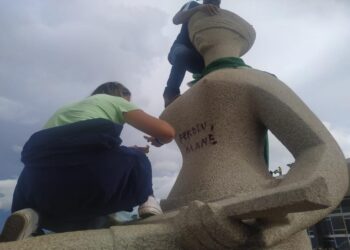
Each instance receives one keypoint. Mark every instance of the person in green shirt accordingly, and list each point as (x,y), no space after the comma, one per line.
(76,172)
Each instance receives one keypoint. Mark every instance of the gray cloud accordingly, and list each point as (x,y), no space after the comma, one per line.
(162,185)
(55,52)
(6,187)
(13,111)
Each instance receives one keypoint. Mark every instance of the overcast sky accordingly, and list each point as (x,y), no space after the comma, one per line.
(53,52)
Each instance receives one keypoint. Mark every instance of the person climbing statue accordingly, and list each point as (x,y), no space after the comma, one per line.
(76,172)
(183,56)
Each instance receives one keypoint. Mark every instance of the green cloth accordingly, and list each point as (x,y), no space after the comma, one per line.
(222,63)
(266,149)
(96,106)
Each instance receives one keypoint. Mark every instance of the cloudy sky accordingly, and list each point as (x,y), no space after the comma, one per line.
(53,52)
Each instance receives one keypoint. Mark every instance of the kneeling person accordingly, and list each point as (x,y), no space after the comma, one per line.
(76,171)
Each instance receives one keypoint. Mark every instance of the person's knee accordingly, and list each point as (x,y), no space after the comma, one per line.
(18,201)
(144,161)
(181,57)
(136,156)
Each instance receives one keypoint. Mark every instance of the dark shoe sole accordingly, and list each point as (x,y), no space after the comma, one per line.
(14,228)
(146,215)
(168,101)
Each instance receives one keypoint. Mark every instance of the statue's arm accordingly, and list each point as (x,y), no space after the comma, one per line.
(315,150)
(316,153)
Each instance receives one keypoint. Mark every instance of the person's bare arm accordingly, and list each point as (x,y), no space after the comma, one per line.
(183,16)
(150,125)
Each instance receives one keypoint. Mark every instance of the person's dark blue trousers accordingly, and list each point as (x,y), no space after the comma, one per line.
(78,172)
(182,59)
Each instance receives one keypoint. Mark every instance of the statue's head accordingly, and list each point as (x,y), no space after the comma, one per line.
(225,28)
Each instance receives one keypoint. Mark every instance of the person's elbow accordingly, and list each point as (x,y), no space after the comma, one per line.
(176,20)
(167,133)
(179,18)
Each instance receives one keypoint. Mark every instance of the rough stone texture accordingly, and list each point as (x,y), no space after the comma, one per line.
(221,122)
(224,197)
(92,239)
(148,236)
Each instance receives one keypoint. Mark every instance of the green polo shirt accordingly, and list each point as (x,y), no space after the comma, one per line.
(96,106)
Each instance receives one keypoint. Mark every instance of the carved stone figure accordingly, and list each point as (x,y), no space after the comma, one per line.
(224,196)
(221,123)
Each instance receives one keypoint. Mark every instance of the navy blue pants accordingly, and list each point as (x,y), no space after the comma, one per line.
(79,172)
(182,59)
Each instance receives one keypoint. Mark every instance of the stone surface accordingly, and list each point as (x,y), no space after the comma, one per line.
(221,122)
(224,196)
(93,239)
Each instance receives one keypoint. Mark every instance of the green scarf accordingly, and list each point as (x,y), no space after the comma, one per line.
(266,149)
(222,63)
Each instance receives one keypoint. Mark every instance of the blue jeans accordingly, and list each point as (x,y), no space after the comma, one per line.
(182,59)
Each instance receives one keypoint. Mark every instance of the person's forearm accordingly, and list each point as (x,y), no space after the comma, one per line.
(150,125)
(183,16)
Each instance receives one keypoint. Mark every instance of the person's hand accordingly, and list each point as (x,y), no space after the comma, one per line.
(210,9)
(144,150)
(154,141)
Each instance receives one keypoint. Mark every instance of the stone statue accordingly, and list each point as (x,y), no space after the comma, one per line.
(224,196)
(221,123)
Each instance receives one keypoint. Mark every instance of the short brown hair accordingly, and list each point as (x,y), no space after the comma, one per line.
(112,88)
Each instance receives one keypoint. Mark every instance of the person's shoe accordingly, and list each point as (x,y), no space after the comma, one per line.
(191,84)
(150,208)
(20,225)
(170,95)
(168,100)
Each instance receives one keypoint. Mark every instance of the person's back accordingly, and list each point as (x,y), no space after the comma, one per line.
(182,37)
(183,56)
(76,171)
(93,107)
